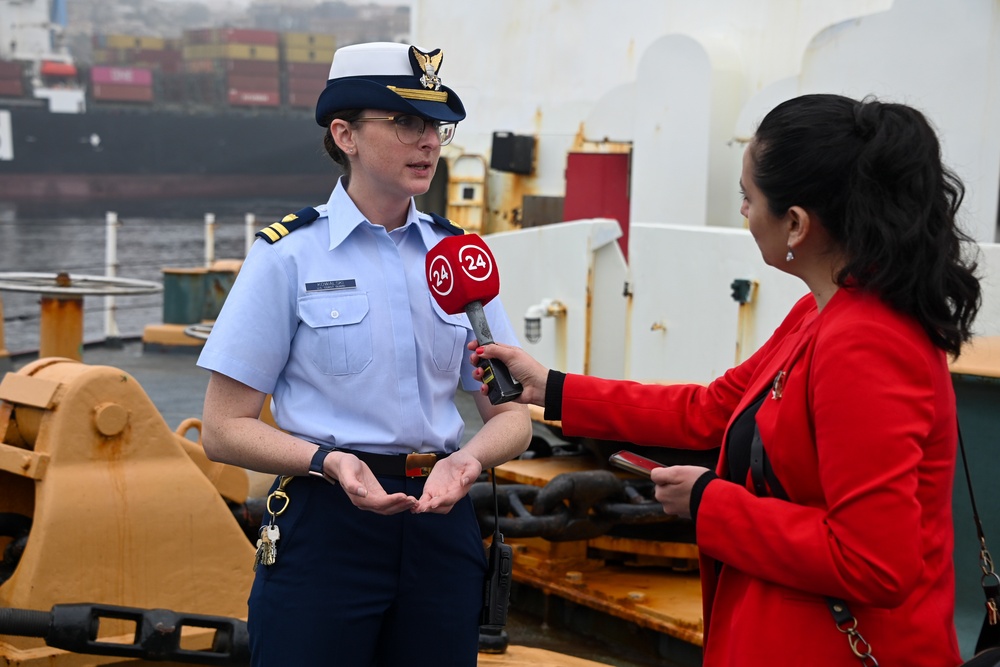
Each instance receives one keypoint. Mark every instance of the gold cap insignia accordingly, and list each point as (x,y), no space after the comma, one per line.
(427,65)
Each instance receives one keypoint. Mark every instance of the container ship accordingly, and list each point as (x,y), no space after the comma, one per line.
(218,112)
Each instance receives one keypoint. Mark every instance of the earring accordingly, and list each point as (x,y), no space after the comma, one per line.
(790,256)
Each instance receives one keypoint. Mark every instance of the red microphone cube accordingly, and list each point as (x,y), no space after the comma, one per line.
(461,270)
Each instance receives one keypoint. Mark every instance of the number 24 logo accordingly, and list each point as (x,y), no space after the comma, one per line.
(440,275)
(475,262)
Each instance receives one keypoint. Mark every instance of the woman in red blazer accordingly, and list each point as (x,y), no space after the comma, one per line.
(846,492)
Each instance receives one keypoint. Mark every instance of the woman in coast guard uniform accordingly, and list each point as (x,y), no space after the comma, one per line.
(839,435)
(377,559)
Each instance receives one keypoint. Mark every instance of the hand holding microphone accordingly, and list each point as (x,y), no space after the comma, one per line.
(463,277)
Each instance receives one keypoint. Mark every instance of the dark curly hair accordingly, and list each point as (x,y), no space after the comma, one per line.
(350,115)
(872,173)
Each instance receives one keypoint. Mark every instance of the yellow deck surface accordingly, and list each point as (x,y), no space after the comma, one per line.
(980,357)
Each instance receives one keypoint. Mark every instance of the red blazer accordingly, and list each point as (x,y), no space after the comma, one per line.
(862,436)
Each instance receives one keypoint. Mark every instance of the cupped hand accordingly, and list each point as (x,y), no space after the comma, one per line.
(673,488)
(364,489)
(522,366)
(449,481)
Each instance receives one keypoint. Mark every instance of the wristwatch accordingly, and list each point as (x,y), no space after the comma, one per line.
(316,465)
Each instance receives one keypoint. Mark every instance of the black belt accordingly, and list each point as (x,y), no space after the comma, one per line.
(398,465)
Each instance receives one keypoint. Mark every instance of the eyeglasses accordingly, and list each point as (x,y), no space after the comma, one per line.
(410,128)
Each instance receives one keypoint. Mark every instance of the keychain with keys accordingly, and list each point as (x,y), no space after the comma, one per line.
(267,545)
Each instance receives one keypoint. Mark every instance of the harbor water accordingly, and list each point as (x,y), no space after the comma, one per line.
(152,235)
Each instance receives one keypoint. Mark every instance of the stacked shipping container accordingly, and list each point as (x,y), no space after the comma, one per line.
(129,68)
(245,63)
(156,53)
(121,84)
(11,79)
(305,81)
(307,58)
(212,67)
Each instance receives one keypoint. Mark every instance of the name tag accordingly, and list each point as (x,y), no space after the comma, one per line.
(328,285)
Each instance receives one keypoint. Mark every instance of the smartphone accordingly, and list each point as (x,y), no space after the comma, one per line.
(634,463)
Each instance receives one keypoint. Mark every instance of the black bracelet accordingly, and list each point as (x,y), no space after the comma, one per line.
(316,465)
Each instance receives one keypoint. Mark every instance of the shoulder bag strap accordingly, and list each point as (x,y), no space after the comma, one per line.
(989,635)
(765,483)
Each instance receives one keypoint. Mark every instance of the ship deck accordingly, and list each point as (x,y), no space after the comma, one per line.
(559,586)
(538,628)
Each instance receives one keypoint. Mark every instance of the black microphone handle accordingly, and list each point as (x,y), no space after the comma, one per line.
(502,387)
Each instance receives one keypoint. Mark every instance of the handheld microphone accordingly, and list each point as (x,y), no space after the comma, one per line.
(462,277)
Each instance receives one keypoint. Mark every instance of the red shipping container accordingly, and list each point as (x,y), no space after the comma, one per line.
(130,76)
(11,88)
(252,82)
(312,86)
(110,92)
(10,69)
(318,71)
(166,61)
(302,100)
(172,68)
(157,56)
(250,67)
(247,36)
(254,98)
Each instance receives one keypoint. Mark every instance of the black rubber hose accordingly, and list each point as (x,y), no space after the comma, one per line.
(25,622)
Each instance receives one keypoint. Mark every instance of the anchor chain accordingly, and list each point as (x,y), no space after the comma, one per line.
(572,506)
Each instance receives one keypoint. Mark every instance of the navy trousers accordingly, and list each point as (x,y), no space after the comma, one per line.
(351,588)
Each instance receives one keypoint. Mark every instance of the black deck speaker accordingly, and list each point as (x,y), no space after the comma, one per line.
(514,153)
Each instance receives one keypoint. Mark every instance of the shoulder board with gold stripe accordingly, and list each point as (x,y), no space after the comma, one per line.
(447,224)
(279,230)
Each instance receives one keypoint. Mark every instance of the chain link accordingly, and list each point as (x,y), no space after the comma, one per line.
(990,583)
(859,645)
(572,506)
(986,561)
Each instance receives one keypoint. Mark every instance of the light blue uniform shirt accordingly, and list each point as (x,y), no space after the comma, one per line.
(336,321)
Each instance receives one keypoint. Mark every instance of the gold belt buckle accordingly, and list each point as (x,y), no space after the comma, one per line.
(419,465)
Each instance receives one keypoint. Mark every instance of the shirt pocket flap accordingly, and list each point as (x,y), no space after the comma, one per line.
(459,320)
(329,310)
